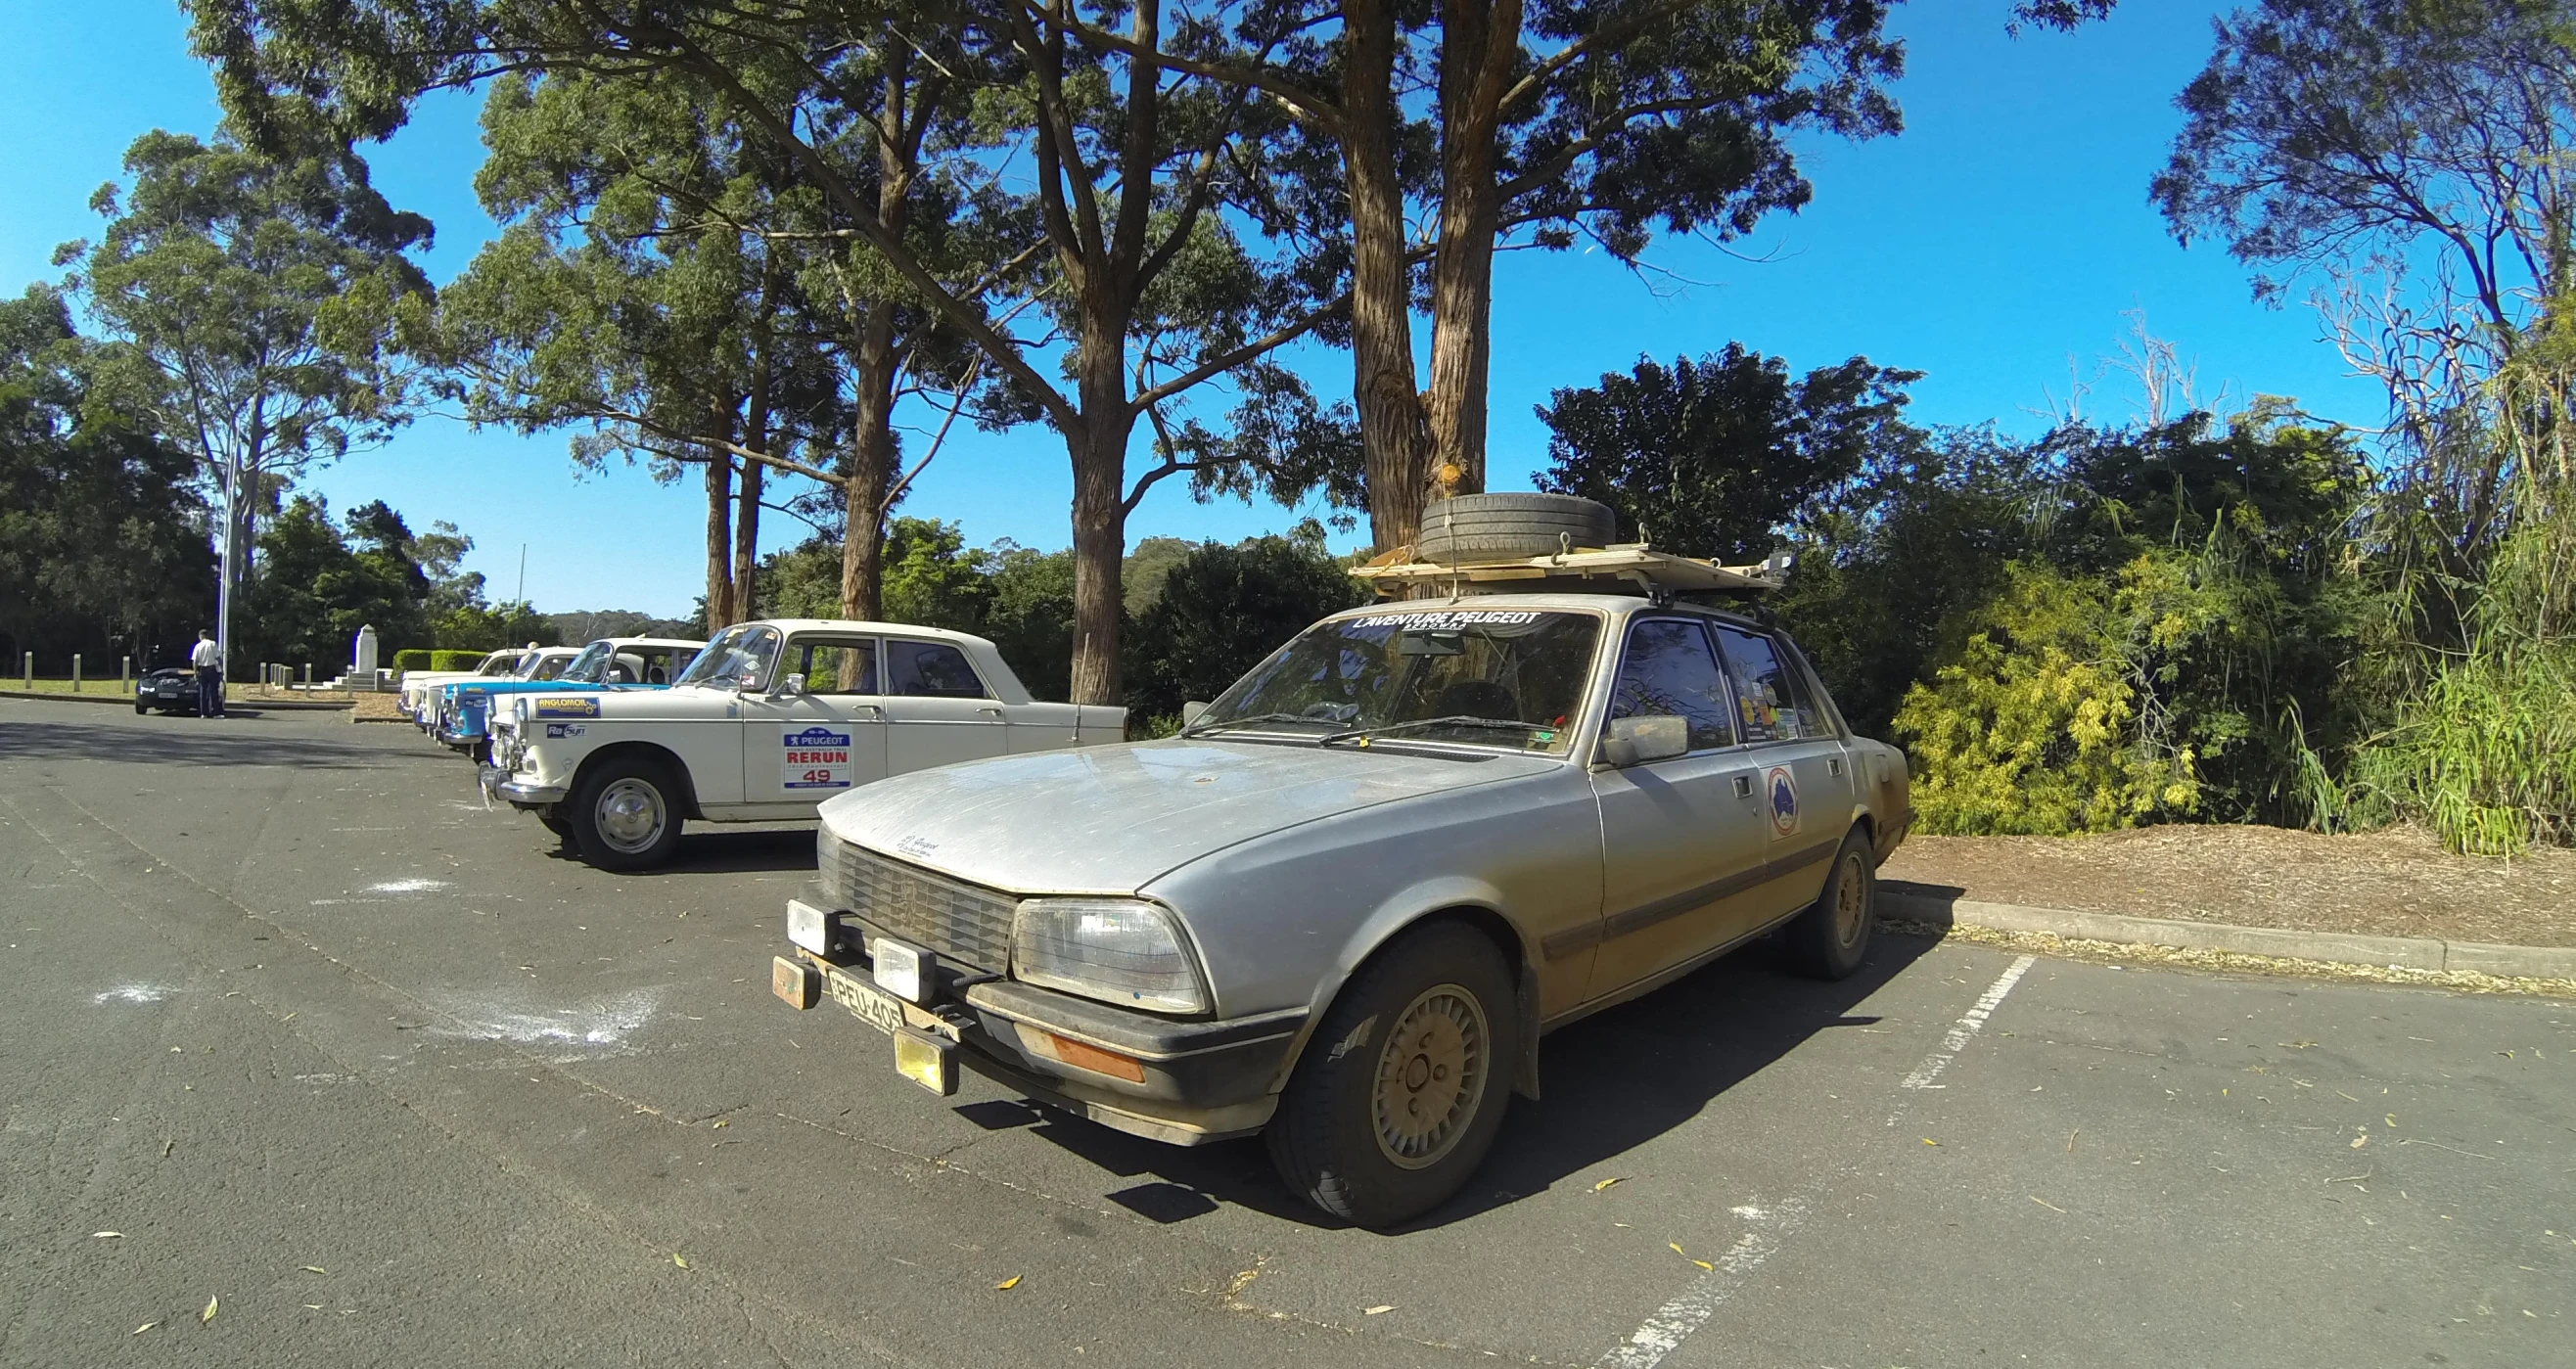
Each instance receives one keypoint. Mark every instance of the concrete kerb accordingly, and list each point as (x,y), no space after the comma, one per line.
(2405,952)
(126,700)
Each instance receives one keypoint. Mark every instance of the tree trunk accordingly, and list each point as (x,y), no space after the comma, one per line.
(755,435)
(1099,451)
(1480,39)
(871,469)
(719,541)
(746,539)
(1392,434)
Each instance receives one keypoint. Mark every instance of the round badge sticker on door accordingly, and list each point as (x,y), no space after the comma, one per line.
(1783,788)
(817,758)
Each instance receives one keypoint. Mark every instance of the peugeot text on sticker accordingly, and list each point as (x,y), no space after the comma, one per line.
(1451,620)
(1782,786)
(565,729)
(567,708)
(816,758)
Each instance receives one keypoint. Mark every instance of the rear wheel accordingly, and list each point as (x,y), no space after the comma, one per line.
(1402,1089)
(625,815)
(1829,940)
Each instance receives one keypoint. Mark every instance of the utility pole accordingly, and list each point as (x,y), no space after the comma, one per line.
(523,573)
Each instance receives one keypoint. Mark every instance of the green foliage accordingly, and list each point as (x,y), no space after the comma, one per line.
(2485,754)
(102,545)
(1223,609)
(463,660)
(412,658)
(315,590)
(1716,458)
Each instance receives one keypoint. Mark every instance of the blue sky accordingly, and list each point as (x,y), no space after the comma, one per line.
(1994,245)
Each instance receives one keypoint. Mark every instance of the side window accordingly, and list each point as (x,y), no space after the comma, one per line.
(836,665)
(932,669)
(1668,670)
(1771,699)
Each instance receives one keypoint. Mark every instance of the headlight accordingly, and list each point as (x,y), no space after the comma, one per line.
(1118,950)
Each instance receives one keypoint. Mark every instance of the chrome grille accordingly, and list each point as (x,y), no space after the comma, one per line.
(964,923)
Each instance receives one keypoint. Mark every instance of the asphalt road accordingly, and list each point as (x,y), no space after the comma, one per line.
(381,1078)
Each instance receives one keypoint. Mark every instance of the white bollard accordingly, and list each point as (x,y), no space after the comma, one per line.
(125,675)
(76,672)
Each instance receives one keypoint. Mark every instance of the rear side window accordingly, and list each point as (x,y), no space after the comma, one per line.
(1772,701)
(1668,669)
(930,669)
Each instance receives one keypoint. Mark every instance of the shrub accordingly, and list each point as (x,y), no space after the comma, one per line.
(412,658)
(455,660)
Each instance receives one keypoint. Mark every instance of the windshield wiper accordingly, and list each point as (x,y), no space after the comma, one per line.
(1422,724)
(1201,729)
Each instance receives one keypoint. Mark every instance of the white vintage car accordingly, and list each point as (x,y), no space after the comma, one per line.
(771,719)
(418,687)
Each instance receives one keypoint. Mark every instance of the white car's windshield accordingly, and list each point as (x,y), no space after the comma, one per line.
(738,658)
(586,667)
(501,663)
(541,665)
(1512,678)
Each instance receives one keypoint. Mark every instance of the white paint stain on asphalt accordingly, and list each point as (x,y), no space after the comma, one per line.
(1691,1308)
(601,1024)
(408,886)
(133,993)
(1966,1028)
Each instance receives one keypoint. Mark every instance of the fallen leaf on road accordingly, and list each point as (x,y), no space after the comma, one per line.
(312,1307)
(1621,1179)
(315,1269)
(2359,1141)
(1930,1142)
(1009,1283)
(2043,1202)
(143,1328)
(675,1259)
(723,1122)
(209,1314)
(1705,1265)
(107,1235)
(2392,1119)
(1373,1311)
(1677,1249)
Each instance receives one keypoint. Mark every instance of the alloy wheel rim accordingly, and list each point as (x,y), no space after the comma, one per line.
(1431,1077)
(1851,904)
(630,814)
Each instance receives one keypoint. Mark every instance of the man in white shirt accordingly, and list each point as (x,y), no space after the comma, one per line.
(209,661)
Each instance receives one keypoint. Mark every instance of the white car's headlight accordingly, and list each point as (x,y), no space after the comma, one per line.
(1118,950)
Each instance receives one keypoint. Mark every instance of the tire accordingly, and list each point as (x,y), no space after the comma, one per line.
(1829,940)
(555,822)
(1471,527)
(141,709)
(625,815)
(1337,1138)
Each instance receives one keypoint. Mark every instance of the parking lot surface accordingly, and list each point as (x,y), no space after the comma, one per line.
(311,1059)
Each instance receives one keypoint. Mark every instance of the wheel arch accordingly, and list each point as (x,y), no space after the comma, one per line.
(656,753)
(1479,910)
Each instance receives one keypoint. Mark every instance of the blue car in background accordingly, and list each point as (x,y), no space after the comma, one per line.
(464,708)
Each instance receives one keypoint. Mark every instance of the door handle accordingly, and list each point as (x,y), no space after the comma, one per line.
(989,709)
(874,712)
(1833,765)
(1744,786)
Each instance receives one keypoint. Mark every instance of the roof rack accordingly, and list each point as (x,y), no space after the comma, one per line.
(1627,566)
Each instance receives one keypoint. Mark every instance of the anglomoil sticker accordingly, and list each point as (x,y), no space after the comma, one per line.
(816,758)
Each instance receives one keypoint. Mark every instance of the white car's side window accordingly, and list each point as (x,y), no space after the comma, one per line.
(835,664)
(931,670)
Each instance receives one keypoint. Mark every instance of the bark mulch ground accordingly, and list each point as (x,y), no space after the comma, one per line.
(2398,882)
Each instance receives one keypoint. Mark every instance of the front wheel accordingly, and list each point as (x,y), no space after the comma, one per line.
(141,709)
(1402,1088)
(1829,940)
(626,815)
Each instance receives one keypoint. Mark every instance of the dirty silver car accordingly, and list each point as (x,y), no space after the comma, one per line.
(1343,904)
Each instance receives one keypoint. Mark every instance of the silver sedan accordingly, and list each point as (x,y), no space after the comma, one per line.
(1341,907)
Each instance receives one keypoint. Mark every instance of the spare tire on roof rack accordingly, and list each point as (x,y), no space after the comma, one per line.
(1484,527)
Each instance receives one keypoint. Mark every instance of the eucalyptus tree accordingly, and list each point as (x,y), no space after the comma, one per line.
(1149,287)
(260,307)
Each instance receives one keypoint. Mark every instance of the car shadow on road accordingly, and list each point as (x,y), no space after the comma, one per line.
(194,741)
(1608,1084)
(729,853)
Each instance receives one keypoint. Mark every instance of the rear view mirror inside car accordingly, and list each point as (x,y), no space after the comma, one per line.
(1423,641)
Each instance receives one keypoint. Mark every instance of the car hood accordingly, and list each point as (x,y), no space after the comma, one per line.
(1110,819)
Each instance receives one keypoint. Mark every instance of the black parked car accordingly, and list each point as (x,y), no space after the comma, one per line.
(172,689)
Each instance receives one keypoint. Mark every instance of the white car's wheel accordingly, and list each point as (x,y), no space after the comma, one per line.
(626,815)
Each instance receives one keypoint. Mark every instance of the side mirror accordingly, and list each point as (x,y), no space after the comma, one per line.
(1191,709)
(792,686)
(1636,741)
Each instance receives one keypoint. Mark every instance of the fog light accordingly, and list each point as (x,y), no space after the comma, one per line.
(926,1060)
(808,927)
(902,970)
(1081,1055)
(800,985)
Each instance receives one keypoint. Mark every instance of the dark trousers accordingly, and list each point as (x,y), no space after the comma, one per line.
(210,692)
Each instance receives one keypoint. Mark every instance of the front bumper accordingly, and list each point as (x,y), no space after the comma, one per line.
(499,783)
(1182,1082)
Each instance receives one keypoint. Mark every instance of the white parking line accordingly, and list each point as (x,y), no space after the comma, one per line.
(1691,1308)
(1966,1029)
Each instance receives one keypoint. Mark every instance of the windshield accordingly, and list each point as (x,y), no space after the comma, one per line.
(501,663)
(738,658)
(586,667)
(1446,675)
